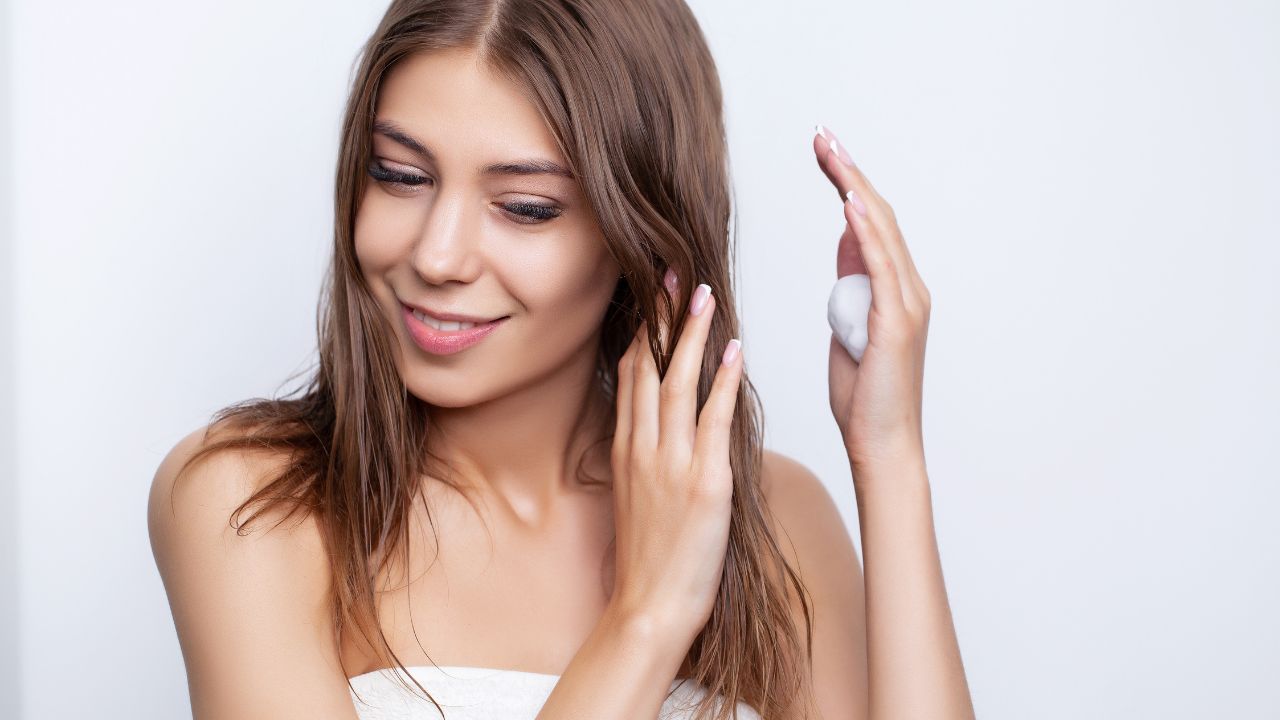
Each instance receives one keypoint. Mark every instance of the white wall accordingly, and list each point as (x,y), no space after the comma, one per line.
(175,166)
(1088,188)
(9,642)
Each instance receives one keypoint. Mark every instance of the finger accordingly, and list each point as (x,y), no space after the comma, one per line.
(622,426)
(644,397)
(838,165)
(821,149)
(890,235)
(848,257)
(679,393)
(845,175)
(886,289)
(716,419)
(840,169)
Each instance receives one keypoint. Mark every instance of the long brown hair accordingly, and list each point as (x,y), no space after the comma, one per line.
(632,97)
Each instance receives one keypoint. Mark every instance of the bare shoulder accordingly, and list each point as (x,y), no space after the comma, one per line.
(789,485)
(225,475)
(250,605)
(803,507)
(195,502)
(812,535)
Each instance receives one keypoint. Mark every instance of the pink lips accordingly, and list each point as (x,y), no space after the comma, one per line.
(445,342)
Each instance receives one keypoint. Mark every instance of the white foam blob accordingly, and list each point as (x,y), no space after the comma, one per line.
(847,311)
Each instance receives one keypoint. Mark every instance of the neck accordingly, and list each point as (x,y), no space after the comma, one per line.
(525,447)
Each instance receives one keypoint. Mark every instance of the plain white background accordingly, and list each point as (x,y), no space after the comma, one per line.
(1088,188)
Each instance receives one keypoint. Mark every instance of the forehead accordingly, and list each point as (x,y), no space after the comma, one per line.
(458,107)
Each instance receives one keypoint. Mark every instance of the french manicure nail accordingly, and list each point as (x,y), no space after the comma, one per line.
(700,297)
(841,153)
(823,132)
(731,351)
(839,149)
(858,207)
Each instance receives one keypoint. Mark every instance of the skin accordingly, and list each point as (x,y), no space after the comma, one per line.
(517,584)
(451,243)
(915,668)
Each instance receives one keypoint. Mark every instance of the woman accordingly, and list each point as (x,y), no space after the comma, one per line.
(528,470)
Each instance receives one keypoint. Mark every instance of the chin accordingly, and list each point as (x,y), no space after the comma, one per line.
(441,391)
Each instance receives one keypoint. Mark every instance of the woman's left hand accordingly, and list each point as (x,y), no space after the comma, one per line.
(876,403)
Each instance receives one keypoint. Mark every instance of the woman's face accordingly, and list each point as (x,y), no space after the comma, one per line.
(466,224)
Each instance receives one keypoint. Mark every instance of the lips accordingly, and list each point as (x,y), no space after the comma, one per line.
(446,342)
(440,317)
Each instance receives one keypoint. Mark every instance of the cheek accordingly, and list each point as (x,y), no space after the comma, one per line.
(565,291)
(383,233)
(576,281)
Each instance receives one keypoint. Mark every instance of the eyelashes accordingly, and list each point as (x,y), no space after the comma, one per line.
(532,213)
(387,175)
(536,211)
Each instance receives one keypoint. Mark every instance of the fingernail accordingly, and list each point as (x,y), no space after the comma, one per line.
(700,297)
(731,351)
(839,149)
(823,132)
(670,281)
(858,207)
(841,153)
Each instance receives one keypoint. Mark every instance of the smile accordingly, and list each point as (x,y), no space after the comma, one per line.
(445,337)
(442,324)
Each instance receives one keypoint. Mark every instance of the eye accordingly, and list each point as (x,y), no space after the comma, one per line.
(395,178)
(528,213)
(532,213)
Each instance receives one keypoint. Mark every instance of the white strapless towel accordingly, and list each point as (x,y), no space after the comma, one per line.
(472,693)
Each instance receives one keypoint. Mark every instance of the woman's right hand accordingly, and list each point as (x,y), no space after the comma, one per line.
(672,484)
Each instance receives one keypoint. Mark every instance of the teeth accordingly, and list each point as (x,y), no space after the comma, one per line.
(445,325)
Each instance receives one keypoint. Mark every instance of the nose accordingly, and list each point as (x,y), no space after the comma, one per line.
(449,245)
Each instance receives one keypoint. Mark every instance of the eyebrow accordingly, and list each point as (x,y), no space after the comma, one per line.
(532,166)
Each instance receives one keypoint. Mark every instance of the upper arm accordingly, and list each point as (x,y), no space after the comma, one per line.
(251,611)
(813,536)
